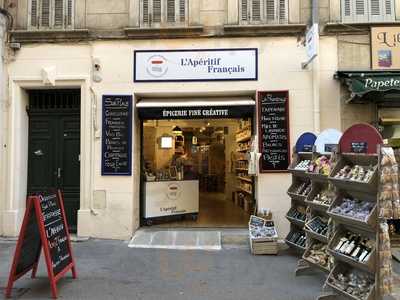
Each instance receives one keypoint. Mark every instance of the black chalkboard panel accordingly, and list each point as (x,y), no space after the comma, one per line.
(273,120)
(116,153)
(31,244)
(56,233)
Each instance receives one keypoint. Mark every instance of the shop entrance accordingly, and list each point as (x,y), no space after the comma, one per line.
(54,146)
(195,171)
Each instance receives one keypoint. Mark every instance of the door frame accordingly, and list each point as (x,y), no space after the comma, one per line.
(15,150)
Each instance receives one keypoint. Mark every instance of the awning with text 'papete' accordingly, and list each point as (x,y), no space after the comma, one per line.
(362,82)
(196,108)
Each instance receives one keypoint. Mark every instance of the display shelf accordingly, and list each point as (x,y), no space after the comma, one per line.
(295,221)
(366,266)
(294,186)
(351,160)
(341,268)
(317,236)
(317,188)
(297,158)
(246,191)
(243,150)
(368,224)
(243,139)
(312,262)
(295,246)
(242,169)
(316,206)
(245,179)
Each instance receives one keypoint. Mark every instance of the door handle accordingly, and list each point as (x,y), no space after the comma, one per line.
(58,172)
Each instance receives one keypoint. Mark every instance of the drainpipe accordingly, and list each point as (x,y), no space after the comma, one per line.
(316,72)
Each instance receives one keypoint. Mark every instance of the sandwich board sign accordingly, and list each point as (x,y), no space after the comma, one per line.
(44,227)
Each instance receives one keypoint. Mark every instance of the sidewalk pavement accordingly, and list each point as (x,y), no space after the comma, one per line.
(110,270)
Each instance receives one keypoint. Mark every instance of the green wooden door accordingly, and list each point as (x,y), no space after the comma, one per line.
(54,149)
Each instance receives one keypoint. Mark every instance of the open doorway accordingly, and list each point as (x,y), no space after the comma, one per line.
(195,172)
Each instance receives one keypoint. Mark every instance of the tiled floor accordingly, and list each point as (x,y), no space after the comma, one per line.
(216,210)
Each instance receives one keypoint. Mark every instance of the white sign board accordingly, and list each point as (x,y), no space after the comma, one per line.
(311,42)
(195,65)
(168,198)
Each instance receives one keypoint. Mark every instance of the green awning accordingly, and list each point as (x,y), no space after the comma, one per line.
(362,82)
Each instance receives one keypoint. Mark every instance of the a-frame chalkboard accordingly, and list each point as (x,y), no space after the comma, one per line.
(44,226)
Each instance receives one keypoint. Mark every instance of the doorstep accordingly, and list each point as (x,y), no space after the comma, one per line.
(176,239)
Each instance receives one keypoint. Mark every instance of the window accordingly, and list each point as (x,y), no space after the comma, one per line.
(156,13)
(364,11)
(263,11)
(51,14)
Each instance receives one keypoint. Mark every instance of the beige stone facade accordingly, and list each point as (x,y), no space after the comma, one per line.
(109,32)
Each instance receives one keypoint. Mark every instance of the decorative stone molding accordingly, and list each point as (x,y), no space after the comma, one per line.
(264,30)
(353,28)
(167,32)
(51,36)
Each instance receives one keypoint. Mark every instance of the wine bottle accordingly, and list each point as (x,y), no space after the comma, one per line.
(346,244)
(352,245)
(359,249)
(342,241)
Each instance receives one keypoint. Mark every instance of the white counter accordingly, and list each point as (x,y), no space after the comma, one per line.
(168,198)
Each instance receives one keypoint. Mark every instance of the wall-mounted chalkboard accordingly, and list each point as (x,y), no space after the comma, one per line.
(116,154)
(273,134)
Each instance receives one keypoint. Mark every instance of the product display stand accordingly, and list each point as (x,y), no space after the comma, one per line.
(244,195)
(363,227)
(355,242)
(298,193)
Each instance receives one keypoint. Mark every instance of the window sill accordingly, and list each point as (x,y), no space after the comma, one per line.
(264,30)
(355,27)
(33,36)
(164,32)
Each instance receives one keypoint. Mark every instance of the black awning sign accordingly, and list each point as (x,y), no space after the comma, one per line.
(205,112)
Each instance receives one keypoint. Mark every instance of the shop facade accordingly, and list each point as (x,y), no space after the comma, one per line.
(109,206)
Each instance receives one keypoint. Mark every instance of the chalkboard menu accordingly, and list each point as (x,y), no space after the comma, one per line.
(273,119)
(117,135)
(31,243)
(44,226)
(55,232)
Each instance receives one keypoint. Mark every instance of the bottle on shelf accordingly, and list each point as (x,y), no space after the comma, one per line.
(342,241)
(358,250)
(346,243)
(352,245)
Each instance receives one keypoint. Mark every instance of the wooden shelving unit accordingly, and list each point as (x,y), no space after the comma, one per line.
(365,228)
(245,183)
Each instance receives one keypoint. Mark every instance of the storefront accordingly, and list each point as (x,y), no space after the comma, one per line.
(190,156)
(110,205)
(373,96)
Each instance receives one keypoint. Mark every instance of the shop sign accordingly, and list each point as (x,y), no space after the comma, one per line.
(273,120)
(195,65)
(385,47)
(377,83)
(212,112)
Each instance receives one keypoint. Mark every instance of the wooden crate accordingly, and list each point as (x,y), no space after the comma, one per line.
(263,247)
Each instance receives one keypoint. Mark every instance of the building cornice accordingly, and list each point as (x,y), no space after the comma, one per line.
(49,36)
(165,32)
(264,30)
(354,28)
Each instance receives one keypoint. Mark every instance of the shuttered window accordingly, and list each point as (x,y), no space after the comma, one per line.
(51,14)
(157,13)
(364,11)
(263,11)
